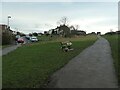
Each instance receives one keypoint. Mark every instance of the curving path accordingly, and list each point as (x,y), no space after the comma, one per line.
(93,68)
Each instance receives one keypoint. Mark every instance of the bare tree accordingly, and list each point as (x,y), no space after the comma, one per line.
(63,21)
(76,27)
(72,27)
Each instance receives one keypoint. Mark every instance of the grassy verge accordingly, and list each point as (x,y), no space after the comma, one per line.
(31,65)
(5,46)
(114,42)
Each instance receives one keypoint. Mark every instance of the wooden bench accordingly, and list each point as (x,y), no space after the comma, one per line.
(66,46)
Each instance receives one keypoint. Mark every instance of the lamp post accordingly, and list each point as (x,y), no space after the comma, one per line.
(8,20)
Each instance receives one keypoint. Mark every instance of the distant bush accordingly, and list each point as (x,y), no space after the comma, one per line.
(35,34)
(110,33)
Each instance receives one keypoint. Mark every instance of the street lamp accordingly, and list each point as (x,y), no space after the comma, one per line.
(8,20)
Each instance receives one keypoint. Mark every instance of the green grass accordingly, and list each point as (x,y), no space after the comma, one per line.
(55,38)
(31,65)
(0,72)
(114,42)
(5,46)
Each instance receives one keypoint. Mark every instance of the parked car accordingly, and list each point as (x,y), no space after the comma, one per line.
(33,39)
(27,37)
(20,40)
(16,37)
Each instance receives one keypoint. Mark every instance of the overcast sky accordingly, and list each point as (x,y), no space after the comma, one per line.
(30,17)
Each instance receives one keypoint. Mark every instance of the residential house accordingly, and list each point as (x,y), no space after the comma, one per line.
(4,28)
(63,30)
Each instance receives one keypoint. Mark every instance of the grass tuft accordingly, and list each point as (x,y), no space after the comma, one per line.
(114,41)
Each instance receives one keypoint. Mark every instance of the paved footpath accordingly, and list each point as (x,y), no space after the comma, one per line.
(8,49)
(93,68)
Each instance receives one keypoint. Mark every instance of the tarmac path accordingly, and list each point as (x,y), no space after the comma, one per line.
(93,68)
(8,49)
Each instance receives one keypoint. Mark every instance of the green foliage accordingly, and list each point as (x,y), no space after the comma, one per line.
(31,65)
(35,34)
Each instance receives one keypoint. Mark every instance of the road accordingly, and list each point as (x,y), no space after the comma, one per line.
(93,68)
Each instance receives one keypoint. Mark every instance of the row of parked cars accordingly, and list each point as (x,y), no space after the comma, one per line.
(20,39)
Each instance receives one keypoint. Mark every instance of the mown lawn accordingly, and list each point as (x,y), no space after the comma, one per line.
(114,43)
(31,65)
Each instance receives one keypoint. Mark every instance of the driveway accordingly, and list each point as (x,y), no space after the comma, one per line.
(93,68)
